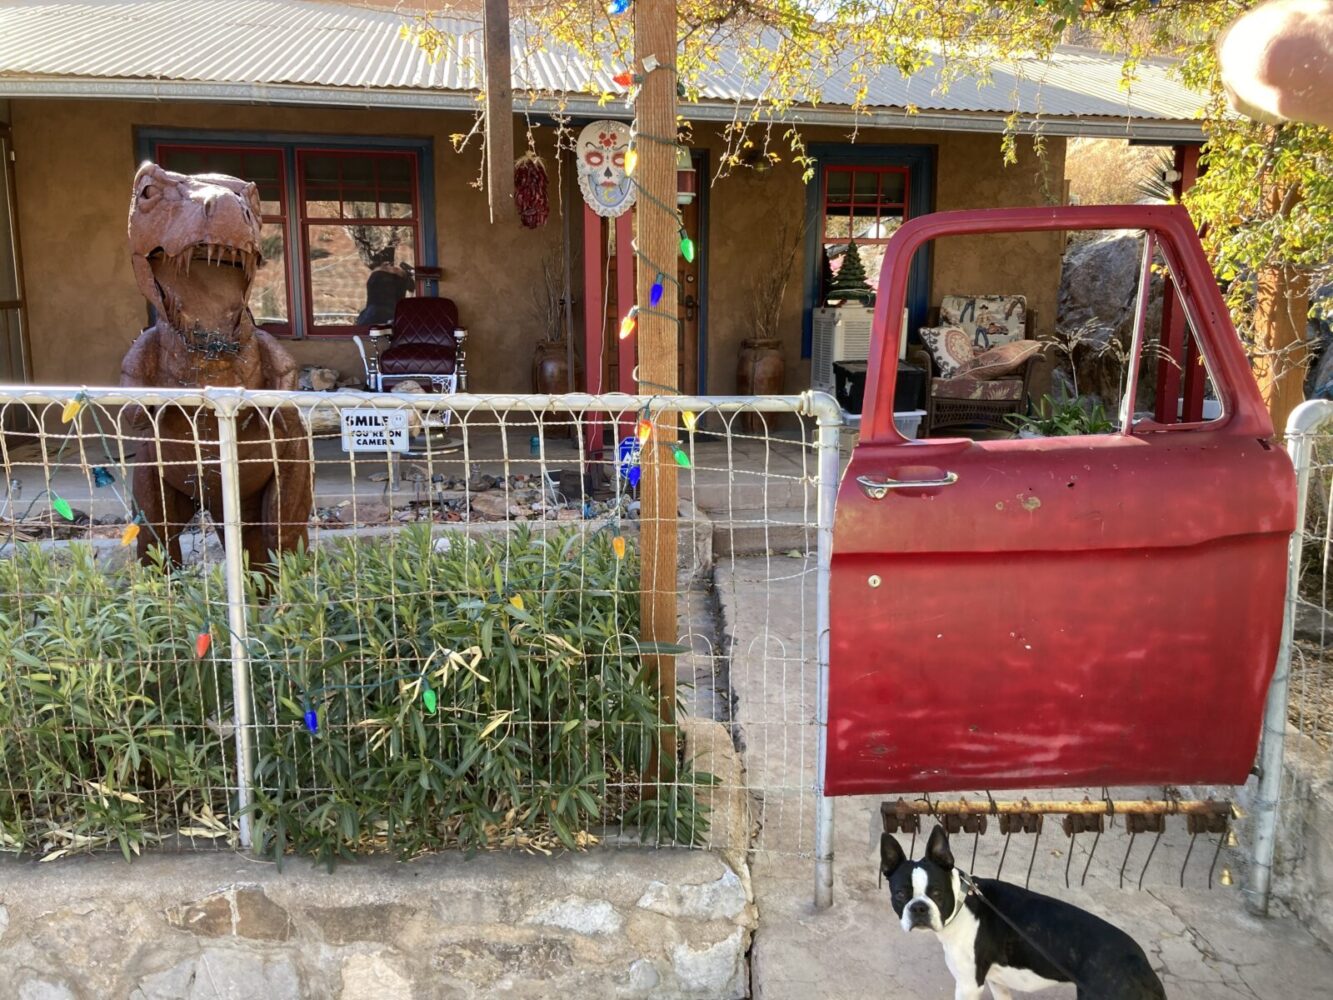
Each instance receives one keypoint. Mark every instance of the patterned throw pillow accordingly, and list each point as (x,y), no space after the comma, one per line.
(1006,359)
(987,320)
(950,348)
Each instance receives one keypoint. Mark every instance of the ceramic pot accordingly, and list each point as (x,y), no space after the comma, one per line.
(760,371)
(550,368)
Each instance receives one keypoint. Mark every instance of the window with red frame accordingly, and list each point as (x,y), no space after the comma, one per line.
(359,233)
(348,236)
(270,298)
(865,205)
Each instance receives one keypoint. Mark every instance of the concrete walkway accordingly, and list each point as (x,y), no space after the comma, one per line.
(1202,942)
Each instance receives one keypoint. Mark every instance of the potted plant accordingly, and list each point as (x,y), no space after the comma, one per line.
(1062,419)
(760,369)
(551,359)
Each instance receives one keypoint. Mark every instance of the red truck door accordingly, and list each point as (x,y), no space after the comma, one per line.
(1098,610)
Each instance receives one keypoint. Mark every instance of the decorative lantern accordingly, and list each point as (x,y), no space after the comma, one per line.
(687,179)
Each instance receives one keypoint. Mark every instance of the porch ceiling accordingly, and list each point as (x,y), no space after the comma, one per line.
(300,52)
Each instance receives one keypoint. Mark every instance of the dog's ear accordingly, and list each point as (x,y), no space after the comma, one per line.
(937,848)
(890,855)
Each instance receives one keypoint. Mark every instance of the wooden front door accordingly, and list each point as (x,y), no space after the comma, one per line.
(15,366)
(690,303)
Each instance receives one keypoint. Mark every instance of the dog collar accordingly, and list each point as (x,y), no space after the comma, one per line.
(965,880)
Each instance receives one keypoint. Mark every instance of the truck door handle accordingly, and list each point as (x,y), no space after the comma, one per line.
(878,489)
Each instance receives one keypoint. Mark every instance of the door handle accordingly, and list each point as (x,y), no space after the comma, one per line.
(878,489)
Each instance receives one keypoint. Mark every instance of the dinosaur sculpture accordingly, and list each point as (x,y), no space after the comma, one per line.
(194,244)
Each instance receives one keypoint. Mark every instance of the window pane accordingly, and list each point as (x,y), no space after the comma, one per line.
(839,185)
(837,226)
(317,169)
(893,186)
(270,197)
(358,170)
(268,295)
(865,223)
(359,203)
(260,167)
(867,186)
(183,161)
(395,204)
(322,203)
(358,273)
(395,171)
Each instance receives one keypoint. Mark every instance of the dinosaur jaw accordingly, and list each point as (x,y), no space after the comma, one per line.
(203,289)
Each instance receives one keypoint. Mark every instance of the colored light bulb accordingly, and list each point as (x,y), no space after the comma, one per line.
(631,161)
(634,475)
(618,6)
(429,700)
(655,295)
(70,411)
(618,546)
(102,476)
(643,431)
(61,506)
(201,643)
(623,79)
(627,324)
(690,419)
(682,459)
(517,601)
(130,533)
(312,720)
(686,247)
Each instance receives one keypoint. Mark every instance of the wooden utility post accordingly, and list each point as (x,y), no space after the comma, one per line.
(658,236)
(499,110)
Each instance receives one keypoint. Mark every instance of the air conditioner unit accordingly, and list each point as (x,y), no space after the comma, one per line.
(841,333)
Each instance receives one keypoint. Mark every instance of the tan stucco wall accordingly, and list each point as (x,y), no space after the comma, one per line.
(76,158)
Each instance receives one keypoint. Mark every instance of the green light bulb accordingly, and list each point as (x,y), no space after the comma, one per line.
(687,248)
(428,697)
(682,459)
(61,506)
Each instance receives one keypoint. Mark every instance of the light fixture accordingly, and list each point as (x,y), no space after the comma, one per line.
(687,179)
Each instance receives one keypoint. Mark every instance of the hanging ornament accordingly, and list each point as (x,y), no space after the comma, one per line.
(530,185)
(602,146)
(627,460)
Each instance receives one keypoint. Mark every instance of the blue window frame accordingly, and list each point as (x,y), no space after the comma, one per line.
(839,165)
(335,211)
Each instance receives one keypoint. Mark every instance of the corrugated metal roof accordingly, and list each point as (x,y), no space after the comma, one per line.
(272,43)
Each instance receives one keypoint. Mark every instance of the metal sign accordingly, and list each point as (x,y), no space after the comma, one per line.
(369,429)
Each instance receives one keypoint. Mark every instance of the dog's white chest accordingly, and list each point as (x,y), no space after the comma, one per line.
(1023,980)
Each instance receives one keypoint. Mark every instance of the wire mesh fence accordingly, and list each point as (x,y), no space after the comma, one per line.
(335,623)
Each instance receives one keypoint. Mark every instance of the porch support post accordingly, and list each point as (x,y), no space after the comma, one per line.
(499,110)
(1176,355)
(594,322)
(658,226)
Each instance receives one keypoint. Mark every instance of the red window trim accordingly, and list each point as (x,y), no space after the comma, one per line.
(879,204)
(304,222)
(162,152)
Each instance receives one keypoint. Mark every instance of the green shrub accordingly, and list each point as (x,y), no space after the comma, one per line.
(482,693)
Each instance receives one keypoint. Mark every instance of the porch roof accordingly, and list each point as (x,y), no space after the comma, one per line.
(302,52)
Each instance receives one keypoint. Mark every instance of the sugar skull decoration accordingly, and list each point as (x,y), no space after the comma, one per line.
(601,151)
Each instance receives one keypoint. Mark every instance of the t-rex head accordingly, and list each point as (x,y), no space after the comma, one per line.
(194,244)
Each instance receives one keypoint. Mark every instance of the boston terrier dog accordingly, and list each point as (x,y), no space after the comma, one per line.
(999,935)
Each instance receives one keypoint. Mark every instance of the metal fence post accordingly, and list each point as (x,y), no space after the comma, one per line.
(829,416)
(225,407)
(1300,440)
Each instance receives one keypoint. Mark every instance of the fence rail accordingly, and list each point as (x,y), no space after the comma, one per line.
(452,654)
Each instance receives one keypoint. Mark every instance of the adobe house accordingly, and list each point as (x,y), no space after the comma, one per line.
(347,128)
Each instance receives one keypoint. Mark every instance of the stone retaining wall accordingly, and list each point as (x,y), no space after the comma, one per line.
(615,922)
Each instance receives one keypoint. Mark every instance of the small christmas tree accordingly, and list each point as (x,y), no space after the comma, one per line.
(850,281)
(825,274)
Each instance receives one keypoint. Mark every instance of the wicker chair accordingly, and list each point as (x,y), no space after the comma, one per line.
(953,404)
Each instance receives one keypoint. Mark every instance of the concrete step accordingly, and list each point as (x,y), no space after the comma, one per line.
(751,531)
